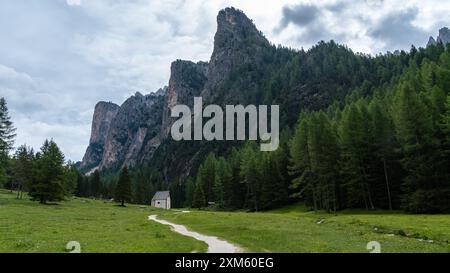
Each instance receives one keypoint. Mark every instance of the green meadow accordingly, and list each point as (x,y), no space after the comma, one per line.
(100,226)
(27,226)
(295,229)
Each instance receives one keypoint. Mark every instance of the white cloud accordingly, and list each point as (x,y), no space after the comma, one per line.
(73,2)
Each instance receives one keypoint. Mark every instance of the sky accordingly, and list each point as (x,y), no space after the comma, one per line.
(58,58)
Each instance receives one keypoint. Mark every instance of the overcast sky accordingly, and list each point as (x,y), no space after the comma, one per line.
(58,58)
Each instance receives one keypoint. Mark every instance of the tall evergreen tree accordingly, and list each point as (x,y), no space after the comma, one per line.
(123,188)
(190,189)
(7,130)
(199,200)
(7,135)
(23,169)
(384,150)
(414,128)
(95,184)
(50,181)
(206,177)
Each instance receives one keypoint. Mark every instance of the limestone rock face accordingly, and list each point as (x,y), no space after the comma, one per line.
(238,44)
(142,123)
(104,113)
(187,80)
(443,37)
(431,41)
(132,131)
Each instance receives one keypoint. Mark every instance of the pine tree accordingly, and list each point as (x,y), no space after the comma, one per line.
(300,168)
(206,176)
(354,139)
(123,188)
(23,169)
(234,187)
(384,149)
(222,175)
(7,135)
(324,156)
(251,175)
(81,186)
(7,130)
(190,189)
(50,181)
(199,200)
(96,184)
(414,128)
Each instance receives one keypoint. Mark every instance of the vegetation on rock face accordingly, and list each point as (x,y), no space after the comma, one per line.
(385,148)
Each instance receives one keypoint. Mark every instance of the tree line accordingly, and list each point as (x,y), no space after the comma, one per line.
(386,150)
(45,176)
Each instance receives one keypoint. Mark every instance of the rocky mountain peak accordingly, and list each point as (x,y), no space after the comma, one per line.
(234,26)
(187,80)
(443,37)
(237,43)
(161,91)
(104,114)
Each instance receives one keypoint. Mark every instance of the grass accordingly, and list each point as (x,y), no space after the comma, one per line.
(27,226)
(295,229)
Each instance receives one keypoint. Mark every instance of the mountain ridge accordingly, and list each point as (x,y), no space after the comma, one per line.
(244,68)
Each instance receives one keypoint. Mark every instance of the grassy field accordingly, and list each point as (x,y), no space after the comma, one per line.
(27,226)
(294,229)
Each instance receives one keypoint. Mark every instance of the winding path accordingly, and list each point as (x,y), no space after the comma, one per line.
(215,245)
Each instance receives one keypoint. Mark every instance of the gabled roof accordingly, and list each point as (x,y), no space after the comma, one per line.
(161,195)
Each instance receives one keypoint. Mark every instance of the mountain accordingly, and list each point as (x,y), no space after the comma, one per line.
(443,37)
(104,114)
(187,80)
(126,134)
(244,68)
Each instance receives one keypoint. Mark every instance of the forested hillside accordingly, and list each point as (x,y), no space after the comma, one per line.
(358,131)
(378,147)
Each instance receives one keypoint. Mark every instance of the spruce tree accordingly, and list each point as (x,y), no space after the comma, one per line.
(190,189)
(384,150)
(123,187)
(23,169)
(7,130)
(414,128)
(7,135)
(353,135)
(206,175)
(199,200)
(300,168)
(96,184)
(50,181)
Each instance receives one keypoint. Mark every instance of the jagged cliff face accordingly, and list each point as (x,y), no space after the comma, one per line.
(104,113)
(143,122)
(443,37)
(237,44)
(187,80)
(126,134)
(133,131)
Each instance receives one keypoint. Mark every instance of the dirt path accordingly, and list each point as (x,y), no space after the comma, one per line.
(215,245)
